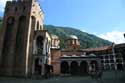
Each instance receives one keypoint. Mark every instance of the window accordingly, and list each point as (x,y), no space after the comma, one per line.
(7,9)
(37,25)
(111,56)
(106,57)
(102,61)
(39,44)
(107,61)
(33,5)
(16,9)
(101,57)
(24,8)
(112,61)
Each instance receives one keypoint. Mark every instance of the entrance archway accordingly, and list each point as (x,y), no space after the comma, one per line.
(83,68)
(94,65)
(64,67)
(38,68)
(74,68)
(119,67)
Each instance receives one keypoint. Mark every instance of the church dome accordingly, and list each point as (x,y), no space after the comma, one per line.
(73,37)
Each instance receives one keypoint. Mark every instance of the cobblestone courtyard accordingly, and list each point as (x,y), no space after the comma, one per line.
(108,77)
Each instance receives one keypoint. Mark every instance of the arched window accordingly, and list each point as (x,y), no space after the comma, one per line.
(33,22)
(24,8)
(40,27)
(16,9)
(39,43)
(37,25)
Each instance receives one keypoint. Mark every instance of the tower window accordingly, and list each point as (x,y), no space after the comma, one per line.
(24,8)
(33,5)
(7,9)
(16,9)
(39,44)
(37,25)
(40,27)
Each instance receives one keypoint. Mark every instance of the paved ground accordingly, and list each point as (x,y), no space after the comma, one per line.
(108,77)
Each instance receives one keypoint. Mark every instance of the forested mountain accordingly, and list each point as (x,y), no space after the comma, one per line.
(86,40)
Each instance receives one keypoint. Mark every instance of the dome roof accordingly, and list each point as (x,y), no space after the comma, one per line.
(73,37)
(92,55)
(54,36)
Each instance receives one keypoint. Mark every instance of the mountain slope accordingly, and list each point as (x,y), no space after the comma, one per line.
(86,40)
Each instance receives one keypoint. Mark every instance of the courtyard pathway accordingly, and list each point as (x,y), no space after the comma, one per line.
(108,77)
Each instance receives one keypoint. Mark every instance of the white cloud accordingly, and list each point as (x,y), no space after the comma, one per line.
(83,30)
(2,4)
(114,36)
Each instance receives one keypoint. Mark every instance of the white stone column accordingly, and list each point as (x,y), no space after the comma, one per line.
(69,64)
(89,65)
(79,63)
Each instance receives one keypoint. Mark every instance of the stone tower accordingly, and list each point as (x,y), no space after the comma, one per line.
(21,19)
(73,42)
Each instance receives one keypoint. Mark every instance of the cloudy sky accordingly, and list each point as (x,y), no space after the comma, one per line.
(104,18)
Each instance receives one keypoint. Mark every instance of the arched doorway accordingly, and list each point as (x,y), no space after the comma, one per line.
(74,68)
(119,67)
(94,65)
(83,68)
(38,67)
(64,67)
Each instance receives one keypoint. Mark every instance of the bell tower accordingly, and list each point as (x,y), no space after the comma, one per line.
(21,19)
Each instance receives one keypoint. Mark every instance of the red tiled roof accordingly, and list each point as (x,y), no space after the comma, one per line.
(99,48)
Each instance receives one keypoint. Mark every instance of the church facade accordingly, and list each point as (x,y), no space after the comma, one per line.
(25,47)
